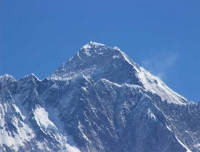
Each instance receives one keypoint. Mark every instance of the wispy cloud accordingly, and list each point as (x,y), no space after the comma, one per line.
(159,63)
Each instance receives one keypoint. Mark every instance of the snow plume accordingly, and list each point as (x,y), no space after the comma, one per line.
(159,63)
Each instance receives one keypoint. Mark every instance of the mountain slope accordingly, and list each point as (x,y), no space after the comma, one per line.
(97,61)
(100,100)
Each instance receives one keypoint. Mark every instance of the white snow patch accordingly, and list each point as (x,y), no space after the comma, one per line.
(70,149)
(115,57)
(116,48)
(90,44)
(151,115)
(87,46)
(42,119)
(53,116)
(84,88)
(61,136)
(169,128)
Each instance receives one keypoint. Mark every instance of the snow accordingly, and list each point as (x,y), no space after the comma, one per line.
(150,82)
(109,82)
(96,43)
(8,140)
(116,48)
(151,115)
(87,46)
(70,149)
(6,77)
(50,118)
(86,49)
(53,116)
(126,58)
(80,127)
(87,53)
(42,119)
(84,88)
(24,132)
(92,44)
(116,57)
(155,85)
(188,150)
(31,76)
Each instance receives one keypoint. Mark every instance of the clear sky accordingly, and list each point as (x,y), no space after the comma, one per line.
(37,36)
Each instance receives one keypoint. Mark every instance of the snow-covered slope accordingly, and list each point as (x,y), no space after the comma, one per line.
(24,124)
(100,100)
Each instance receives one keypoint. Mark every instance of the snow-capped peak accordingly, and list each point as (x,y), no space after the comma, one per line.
(92,44)
(98,61)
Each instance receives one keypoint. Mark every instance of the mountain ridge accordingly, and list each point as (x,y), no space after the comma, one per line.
(99,100)
(88,61)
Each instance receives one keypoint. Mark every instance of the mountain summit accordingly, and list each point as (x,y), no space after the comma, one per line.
(99,100)
(96,61)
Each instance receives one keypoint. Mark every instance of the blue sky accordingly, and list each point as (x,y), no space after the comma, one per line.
(162,36)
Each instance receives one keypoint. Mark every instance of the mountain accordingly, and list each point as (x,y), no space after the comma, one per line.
(99,100)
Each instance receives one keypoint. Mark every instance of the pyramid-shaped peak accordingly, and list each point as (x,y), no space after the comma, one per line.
(95,50)
(98,61)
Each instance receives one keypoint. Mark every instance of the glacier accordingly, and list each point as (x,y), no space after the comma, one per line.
(99,100)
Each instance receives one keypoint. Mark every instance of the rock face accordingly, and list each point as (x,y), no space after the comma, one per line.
(100,100)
